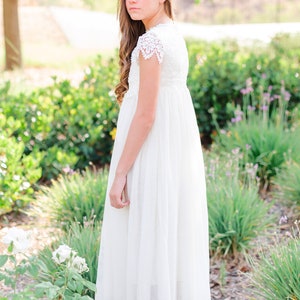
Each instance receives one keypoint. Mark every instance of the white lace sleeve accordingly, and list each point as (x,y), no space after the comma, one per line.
(149,44)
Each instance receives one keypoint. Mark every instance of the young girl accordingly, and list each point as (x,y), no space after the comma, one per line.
(154,242)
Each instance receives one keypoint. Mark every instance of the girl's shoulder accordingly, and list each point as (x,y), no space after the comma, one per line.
(152,42)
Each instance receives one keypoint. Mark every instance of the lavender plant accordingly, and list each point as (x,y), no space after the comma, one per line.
(236,213)
(261,129)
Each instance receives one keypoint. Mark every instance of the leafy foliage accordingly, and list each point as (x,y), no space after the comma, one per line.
(72,125)
(218,72)
(18,173)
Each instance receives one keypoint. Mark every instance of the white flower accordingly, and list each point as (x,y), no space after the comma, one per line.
(78,264)
(16,177)
(24,186)
(19,238)
(62,253)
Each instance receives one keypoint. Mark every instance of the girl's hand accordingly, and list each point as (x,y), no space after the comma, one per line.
(118,192)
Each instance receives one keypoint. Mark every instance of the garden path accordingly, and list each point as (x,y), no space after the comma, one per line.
(89,29)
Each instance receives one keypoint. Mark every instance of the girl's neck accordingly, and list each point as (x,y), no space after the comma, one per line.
(155,20)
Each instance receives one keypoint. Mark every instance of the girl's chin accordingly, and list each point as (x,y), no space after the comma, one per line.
(135,17)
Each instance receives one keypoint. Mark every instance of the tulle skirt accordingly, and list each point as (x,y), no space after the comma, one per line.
(157,248)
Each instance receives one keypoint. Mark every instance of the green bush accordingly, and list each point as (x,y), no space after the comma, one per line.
(18,173)
(218,72)
(236,213)
(72,125)
(262,131)
(85,240)
(74,197)
(276,273)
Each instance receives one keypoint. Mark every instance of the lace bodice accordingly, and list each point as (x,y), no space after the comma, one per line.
(167,44)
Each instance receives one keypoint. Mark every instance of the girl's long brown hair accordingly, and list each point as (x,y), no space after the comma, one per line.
(130,32)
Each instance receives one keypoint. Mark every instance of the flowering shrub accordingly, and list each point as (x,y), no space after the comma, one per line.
(69,268)
(236,213)
(84,240)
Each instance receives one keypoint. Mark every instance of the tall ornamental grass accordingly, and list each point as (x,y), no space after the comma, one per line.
(74,197)
(288,184)
(236,213)
(276,275)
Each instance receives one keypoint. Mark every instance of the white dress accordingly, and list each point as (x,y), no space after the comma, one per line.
(157,248)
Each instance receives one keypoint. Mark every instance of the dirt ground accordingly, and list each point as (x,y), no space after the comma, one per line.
(229,278)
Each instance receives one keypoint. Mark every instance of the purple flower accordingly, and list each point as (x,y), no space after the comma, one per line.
(235,151)
(68,170)
(283,220)
(236,120)
(264,108)
(263,75)
(267,97)
(286,96)
(243,91)
(251,108)
(248,147)
(270,88)
(249,82)
(246,91)
(238,113)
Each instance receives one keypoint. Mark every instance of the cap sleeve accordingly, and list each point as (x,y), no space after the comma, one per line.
(149,44)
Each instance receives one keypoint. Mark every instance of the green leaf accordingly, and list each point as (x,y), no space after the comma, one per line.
(3,260)
(10,247)
(89,285)
(59,282)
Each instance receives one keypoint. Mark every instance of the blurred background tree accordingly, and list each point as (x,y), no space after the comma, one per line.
(13,55)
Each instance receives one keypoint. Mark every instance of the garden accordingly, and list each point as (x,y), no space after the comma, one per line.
(55,147)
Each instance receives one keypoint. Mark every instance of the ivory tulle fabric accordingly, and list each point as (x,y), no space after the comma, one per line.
(157,248)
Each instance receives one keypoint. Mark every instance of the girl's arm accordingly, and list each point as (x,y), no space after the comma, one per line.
(140,127)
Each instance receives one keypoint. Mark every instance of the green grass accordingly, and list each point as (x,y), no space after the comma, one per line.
(74,198)
(276,274)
